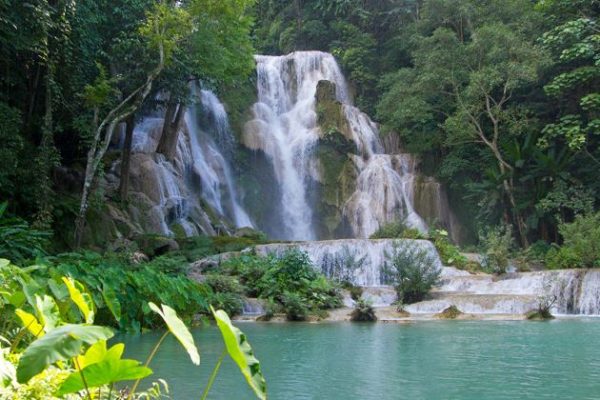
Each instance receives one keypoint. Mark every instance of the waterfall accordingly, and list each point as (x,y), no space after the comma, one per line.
(199,171)
(285,128)
(209,166)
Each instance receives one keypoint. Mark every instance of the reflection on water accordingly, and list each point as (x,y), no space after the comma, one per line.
(429,360)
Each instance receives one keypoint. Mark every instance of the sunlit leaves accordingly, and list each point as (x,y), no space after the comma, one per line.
(82,299)
(178,329)
(240,351)
(100,366)
(58,344)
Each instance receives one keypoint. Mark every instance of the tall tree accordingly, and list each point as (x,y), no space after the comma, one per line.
(166,25)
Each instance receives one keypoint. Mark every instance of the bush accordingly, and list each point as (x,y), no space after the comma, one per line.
(295,310)
(563,258)
(355,292)
(363,312)
(451,312)
(18,241)
(132,285)
(497,244)
(232,303)
(449,253)
(290,281)
(582,239)
(397,230)
(224,284)
(413,271)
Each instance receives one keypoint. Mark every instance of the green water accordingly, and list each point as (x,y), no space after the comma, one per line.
(427,360)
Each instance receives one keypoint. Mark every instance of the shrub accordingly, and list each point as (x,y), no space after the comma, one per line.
(497,244)
(18,241)
(132,285)
(451,312)
(355,292)
(563,258)
(413,271)
(290,281)
(231,303)
(397,230)
(449,253)
(224,284)
(582,239)
(295,310)
(363,312)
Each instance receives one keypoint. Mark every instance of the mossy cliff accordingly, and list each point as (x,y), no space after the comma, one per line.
(336,169)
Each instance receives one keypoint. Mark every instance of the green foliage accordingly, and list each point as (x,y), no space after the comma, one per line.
(12,145)
(120,288)
(59,344)
(449,253)
(241,353)
(18,241)
(396,230)
(290,281)
(178,329)
(363,311)
(497,244)
(70,358)
(581,241)
(562,258)
(198,247)
(412,271)
(451,312)
(294,306)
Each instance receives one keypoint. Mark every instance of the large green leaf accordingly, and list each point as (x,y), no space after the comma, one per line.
(103,370)
(48,312)
(82,298)
(240,351)
(178,328)
(112,302)
(30,323)
(98,352)
(58,344)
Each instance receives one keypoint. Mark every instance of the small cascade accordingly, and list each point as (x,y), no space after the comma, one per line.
(285,128)
(252,307)
(173,202)
(360,261)
(218,122)
(383,192)
(572,291)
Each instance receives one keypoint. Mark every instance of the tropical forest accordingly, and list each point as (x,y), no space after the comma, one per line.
(301,199)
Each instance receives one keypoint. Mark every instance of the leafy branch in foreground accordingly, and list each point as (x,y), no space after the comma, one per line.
(69,356)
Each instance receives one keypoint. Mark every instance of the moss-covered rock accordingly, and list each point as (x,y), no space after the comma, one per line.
(337,173)
(331,117)
(451,312)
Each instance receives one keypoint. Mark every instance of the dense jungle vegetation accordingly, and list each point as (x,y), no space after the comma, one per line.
(499,98)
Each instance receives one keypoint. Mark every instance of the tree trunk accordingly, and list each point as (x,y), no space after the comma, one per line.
(103,135)
(170,132)
(517,217)
(126,158)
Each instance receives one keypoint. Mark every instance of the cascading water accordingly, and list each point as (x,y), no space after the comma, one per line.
(285,128)
(198,171)
(209,164)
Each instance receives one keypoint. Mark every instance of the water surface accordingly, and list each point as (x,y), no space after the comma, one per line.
(425,360)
